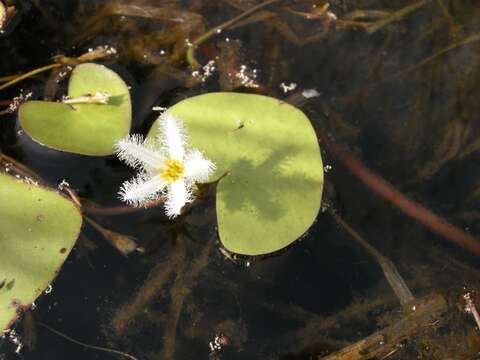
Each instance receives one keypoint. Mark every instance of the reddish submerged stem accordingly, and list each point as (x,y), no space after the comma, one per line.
(416,211)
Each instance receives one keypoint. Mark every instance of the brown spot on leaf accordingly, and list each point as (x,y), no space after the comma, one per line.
(16,303)
(10,284)
(19,307)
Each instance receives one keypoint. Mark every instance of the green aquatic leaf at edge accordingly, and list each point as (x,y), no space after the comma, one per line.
(38,228)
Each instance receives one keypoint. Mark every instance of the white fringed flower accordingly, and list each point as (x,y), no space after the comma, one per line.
(166,167)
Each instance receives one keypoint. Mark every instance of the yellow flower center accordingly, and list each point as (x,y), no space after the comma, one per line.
(172,171)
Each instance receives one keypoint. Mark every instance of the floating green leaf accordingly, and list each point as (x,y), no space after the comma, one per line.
(38,228)
(269,151)
(82,128)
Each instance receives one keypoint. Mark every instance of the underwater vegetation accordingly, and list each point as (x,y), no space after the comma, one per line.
(184,179)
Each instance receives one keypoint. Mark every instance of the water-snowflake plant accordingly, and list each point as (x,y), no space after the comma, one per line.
(167,167)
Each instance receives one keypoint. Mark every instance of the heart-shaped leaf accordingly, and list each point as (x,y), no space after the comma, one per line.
(269,151)
(38,228)
(82,128)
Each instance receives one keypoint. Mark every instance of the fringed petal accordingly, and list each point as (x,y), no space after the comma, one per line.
(138,153)
(142,189)
(197,168)
(172,136)
(178,195)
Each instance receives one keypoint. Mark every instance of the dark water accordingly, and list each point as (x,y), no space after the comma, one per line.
(412,121)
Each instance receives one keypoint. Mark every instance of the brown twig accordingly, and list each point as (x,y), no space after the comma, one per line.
(389,269)
(414,210)
(395,16)
(381,343)
(118,210)
(12,165)
(7,78)
(29,74)
(98,53)
(122,243)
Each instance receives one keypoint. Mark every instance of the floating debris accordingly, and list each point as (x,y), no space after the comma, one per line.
(247,77)
(310,93)
(206,71)
(286,88)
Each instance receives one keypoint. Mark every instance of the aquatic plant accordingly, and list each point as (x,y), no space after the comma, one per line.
(269,172)
(34,243)
(89,121)
(423,131)
(167,167)
(269,168)
(95,114)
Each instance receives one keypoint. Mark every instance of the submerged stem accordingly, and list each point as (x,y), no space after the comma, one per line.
(7,78)
(98,53)
(94,209)
(122,243)
(93,347)
(389,269)
(29,74)
(395,16)
(414,210)
(191,50)
(466,41)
